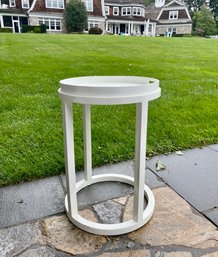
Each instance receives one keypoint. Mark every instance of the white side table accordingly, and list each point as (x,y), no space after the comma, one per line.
(107,90)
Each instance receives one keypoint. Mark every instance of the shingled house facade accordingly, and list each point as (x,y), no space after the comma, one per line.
(129,17)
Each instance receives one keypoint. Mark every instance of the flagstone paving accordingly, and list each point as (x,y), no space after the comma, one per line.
(177,229)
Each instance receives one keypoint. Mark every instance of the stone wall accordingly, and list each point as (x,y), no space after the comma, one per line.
(180,28)
(33,21)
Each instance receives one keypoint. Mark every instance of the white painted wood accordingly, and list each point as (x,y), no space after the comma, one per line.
(113,229)
(87,142)
(107,90)
(140,154)
(69,156)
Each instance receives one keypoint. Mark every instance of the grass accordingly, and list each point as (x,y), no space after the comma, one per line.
(31,139)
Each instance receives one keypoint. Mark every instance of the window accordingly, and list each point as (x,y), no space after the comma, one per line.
(126,11)
(92,24)
(136,11)
(25,4)
(116,11)
(59,4)
(7,21)
(89,5)
(106,8)
(51,24)
(173,15)
(12,3)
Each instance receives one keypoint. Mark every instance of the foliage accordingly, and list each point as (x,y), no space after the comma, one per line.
(214,7)
(205,23)
(34,29)
(97,31)
(31,138)
(75,16)
(6,30)
(194,5)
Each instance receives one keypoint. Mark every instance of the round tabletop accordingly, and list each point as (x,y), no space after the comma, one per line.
(108,90)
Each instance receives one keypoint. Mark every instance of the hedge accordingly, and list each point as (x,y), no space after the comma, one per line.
(35,29)
(6,30)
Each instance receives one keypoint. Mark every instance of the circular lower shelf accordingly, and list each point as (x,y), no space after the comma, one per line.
(112,229)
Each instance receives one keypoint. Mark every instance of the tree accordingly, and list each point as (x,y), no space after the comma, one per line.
(214,7)
(75,16)
(194,5)
(205,23)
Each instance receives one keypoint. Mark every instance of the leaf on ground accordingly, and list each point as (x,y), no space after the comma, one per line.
(179,153)
(160,166)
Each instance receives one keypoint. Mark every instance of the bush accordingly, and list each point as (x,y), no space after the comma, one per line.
(97,31)
(43,28)
(34,29)
(6,30)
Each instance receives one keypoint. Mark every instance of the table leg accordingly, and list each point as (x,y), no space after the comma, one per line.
(140,154)
(69,157)
(87,142)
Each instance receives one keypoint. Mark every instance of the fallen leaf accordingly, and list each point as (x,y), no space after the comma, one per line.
(160,166)
(179,153)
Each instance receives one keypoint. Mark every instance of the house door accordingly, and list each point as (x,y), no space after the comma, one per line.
(16,27)
(122,28)
(142,29)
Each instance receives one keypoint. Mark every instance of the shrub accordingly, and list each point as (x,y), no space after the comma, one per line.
(43,28)
(34,29)
(97,31)
(6,30)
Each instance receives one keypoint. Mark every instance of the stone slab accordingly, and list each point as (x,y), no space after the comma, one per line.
(193,175)
(174,223)
(40,251)
(31,200)
(213,215)
(214,147)
(108,190)
(62,235)
(109,212)
(131,253)
(15,239)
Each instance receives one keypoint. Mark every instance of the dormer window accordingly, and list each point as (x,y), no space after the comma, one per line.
(106,9)
(89,5)
(136,11)
(25,4)
(12,3)
(173,15)
(115,11)
(126,11)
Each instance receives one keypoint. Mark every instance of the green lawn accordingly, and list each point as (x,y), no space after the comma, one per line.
(31,140)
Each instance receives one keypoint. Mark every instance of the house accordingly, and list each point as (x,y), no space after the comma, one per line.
(13,14)
(174,18)
(128,17)
(48,12)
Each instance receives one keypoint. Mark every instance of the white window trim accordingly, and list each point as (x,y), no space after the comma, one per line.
(51,7)
(28,4)
(49,22)
(135,11)
(126,11)
(107,10)
(87,5)
(175,15)
(116,9)
(12,1)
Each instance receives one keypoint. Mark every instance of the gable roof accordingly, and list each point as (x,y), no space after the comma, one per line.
(174,3)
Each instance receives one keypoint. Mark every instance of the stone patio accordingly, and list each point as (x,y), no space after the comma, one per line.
(175,230)
(33,222)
